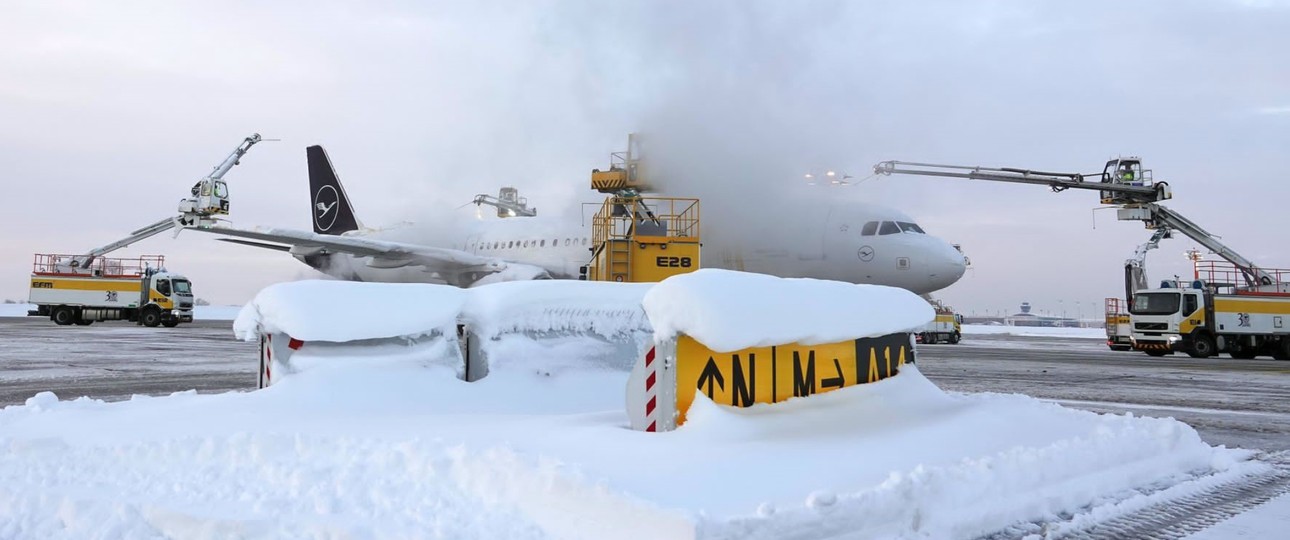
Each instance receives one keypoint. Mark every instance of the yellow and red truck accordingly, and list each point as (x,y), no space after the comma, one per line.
(945,328)
(138,290)
(1215,314)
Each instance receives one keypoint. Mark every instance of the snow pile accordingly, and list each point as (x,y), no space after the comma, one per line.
(420,351)
(407,452)
(15,310)
(1034,331)
(728,311)
(602,308)
(321,310)
(554,326)
(216,313)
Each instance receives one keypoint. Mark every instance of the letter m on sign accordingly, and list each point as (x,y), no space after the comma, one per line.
(803,378)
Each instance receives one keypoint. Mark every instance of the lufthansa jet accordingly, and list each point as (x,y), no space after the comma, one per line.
(844,241)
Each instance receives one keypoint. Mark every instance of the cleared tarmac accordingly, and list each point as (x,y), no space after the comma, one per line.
(1243,403)
(114,360)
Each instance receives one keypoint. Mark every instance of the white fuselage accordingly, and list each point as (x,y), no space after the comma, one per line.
(823,242)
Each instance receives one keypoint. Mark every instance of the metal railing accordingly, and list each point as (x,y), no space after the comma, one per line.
(62,265)
(1228,274)
(621,218)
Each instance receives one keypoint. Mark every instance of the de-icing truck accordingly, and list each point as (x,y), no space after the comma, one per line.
(137,290)
(82,289)
(1215,313)
(945,328)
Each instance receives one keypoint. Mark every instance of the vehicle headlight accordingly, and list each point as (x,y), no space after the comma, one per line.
(1174,338)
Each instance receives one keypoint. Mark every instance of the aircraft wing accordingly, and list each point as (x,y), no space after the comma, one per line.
(383,254)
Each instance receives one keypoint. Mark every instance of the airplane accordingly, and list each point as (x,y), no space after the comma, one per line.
(844,241)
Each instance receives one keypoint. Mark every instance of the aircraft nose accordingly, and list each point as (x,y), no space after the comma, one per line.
(946,264)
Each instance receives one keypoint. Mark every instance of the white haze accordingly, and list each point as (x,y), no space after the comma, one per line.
(112,111)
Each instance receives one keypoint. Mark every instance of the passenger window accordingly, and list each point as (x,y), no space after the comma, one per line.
(543,244)
(910,227)
(1189,304)
(510,244)
(888,227)
(869,228)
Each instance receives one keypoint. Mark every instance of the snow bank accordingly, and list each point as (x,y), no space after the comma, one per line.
(602,308)
(728,311)
(216,313)
(550,355)
(553,327)
(406,452)
(421,351)
(321,310)
(1034,331)
(15,310)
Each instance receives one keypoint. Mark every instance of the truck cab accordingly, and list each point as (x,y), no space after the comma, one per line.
(1164,319)
(172,296)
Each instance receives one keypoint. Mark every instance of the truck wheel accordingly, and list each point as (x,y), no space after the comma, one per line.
(170,323)
(1282,351)
(63,316)
(1243,354)
(1202,346)
(954,338)
(151,317)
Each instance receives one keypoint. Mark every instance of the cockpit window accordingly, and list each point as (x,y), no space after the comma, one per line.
(869,228)
(888,227)
(910,227)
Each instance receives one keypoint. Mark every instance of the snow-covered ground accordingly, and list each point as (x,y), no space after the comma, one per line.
(387,447)
(1033,331)
(1271,520)
(210,313)
(415,452)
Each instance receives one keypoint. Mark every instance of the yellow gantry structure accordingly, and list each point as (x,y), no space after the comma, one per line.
(636,238)
(644,239)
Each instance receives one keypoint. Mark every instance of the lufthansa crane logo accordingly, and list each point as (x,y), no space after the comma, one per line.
(865,253)
(325,202)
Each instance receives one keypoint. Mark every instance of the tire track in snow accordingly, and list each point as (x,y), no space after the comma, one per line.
(1170,518)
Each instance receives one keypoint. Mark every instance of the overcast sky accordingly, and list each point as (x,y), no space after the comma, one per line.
(109,112)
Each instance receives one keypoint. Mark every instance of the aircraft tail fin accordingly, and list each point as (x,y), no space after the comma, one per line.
(331,211)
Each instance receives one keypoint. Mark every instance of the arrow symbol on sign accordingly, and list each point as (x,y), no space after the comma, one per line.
(711,373)
(835,382)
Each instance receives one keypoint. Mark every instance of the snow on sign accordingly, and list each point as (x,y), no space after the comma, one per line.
(666,380)
(741,338)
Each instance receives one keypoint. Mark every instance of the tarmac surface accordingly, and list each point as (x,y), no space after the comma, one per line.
(1238,403)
